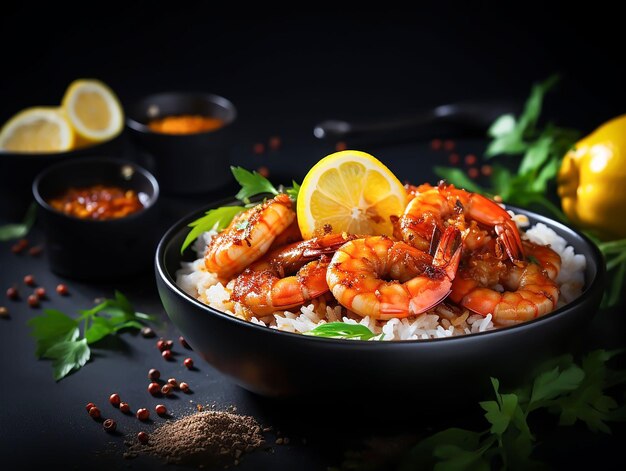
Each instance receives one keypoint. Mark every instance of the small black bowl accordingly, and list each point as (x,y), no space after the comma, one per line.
(98,250)
(283,365)
(184,164)
(19,169)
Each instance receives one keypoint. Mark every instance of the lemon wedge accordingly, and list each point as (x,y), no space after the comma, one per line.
(94,110)
(37,129)
(349,191)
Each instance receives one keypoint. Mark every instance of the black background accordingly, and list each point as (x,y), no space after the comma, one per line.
(284,72)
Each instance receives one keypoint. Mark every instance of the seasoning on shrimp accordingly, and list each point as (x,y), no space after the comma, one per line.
(97,202)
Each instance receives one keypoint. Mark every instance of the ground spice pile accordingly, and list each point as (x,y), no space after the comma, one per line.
(203,438)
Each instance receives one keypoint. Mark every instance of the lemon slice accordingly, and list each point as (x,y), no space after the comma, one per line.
(349,191)
(37,129)
(93,109)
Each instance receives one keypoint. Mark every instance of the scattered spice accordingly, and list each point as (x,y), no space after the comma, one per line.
(19,246)
(188,363)
(436,144)
(166,389)
(13,293)
(172,382)
(148,332)
(35,251)
(89,406)
(184,343)
(99,202)
(160,345)
(109,425)
(29,280)
(470,159)
(33,300)
(62,289)
(154,388)
(185,124)
(274,142)
(184,387)
(4,312)
(341,145)
(169,344)
(449,144)
(94,412)
(143,437)
(263,171)
(124,407)
(454,159)
(143,413)
(472,172)
(115,400)
(40,292)
(258,148)
(486,170)
(154,374)
(160,409)
(167,354)
(203,438)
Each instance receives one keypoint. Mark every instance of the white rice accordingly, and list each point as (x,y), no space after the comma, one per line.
(441,321)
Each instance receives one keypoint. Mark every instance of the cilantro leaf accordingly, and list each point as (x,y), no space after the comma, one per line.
(252,184)
(68,356)
(341,330)
(15,231)
(216,219)
(52,327)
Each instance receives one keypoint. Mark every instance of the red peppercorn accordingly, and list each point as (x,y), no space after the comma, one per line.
(40,292)
(169,344)
(13,293)
(454,159)
(263,171)
(472,172)
(154,388)
(448,144)
(188,363)
(167,354)
(147,332)
(4,312)
(115,400)
(184,387)
(94,412)
(172,382)
(89,406)
(161,345)
(35,251)
(183,342)
(274,142)
(109,425)
(29,280)
(124,407)
(166,389)
(435,144)
(341,145)
(470,159)
(154,374)
(33,300)
(160,409)
(258,148)
(62,289)
(486,170)
(143,414)
(17,248)
(143,437)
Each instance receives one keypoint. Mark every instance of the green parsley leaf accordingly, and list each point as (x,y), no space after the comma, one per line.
(100,327)
(68,356)
(52,327)
(252,184)
(16,231)
(214,219)
(293,191)
(341,330)
(554,383)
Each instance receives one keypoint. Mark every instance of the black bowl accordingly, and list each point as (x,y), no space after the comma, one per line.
(278,364)
(98,250)
(19,169)
(184,164)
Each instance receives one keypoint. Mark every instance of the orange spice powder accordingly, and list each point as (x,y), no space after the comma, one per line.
(185,124)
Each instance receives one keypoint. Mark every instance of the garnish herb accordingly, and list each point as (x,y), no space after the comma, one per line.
(252,184)
(541,150)
(341,330)
(16,231)
(60,337)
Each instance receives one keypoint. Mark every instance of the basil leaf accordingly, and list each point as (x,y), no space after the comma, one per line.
(217,219)
(341,330)
(252,184)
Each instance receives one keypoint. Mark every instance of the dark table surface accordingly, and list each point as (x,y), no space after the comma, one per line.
(285,74)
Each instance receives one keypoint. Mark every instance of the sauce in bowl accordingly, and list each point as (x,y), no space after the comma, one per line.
(98,202)
(185,124)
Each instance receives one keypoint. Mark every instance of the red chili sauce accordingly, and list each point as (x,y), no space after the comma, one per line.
(99,202)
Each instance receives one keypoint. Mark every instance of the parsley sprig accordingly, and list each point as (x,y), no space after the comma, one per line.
(17,230)
(252,184)
(65,340)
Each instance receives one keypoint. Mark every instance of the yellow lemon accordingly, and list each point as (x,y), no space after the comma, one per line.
(37,129)
(349,191)
(94,110)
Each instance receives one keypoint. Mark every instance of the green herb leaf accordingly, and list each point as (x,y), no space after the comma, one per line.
(16,231)
(252,184)
(341,330)
(293,191)
(214,219)
(52,327)
(100,327)
(458,178)
(554,383)
(502,126)
(535,156)
(68,356)
(454,457)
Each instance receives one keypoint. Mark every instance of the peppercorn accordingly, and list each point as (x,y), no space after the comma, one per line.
(154,374)
(29,280)
(172,382)
(35,251)
(4,312)
(89,406)
(147,332)
(13,293)
(274,142)
(166,389)
(160,345)
(143,437)
(94,412)
(188,363)
(169,344)
(454,159)
(143,414)
(115,400)
(62,289)
(470,159)
(166,354)
(259,148)
(160,409)
(184,387)
(33,300)
(109,425)
(341,145)
(448,144)
(124,407)
(472,172)
(154,388)
(184,343)
(40,292)
(435,144)
(486,170)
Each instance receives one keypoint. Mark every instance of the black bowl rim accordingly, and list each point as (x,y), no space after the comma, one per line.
(138,126)
(94,147)
(501,331)
(152,198)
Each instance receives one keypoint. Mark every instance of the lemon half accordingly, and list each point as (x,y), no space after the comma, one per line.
(37,129)
(94,110)
(349,191)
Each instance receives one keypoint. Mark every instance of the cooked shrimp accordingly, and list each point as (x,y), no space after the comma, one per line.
(358,273)
(265,287)
(249,236)
(531,287)
(429,212)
